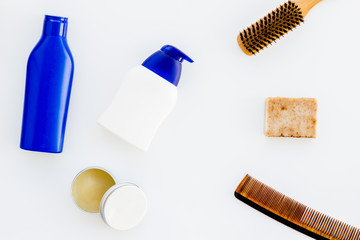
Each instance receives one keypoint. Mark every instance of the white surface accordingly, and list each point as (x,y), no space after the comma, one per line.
(214,135)
(123,206)
(141,104)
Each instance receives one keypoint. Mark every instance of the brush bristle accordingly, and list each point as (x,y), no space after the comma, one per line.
(292,213)
(270,28)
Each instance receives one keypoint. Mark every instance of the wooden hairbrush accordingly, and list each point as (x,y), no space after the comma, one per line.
(277,23)
(292,213)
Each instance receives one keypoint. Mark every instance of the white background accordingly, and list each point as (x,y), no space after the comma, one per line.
(213,137)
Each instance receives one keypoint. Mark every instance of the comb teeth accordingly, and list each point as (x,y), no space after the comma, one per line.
(293,213)
(270,28)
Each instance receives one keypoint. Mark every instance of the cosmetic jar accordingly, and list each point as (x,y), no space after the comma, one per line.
(122,206)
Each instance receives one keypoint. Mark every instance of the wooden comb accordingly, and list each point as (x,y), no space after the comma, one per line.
(292,213)
(277,23)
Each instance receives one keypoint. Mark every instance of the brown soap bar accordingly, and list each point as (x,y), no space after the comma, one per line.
(291,117)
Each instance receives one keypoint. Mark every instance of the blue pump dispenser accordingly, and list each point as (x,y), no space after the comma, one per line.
(49,76)
(167,63)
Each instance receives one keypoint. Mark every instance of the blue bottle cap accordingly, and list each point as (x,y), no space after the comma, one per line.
(55,26)
(167,63)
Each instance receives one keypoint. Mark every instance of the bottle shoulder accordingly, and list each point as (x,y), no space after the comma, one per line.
(52,47)
(140,83)
(140,74)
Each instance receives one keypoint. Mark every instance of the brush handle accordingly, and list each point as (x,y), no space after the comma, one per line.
(306,5)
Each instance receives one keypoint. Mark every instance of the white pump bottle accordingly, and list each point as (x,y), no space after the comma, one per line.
(146,96)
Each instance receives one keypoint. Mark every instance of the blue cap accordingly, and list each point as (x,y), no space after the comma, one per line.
(167,63)
(55,26)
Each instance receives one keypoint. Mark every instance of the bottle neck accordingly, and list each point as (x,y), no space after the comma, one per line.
(55,26)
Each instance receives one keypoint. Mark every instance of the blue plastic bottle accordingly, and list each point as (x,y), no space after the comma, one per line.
(49,76)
